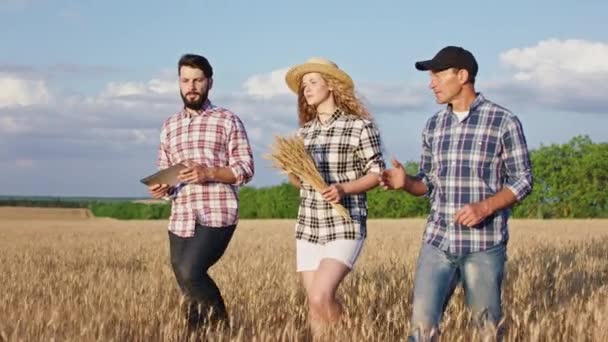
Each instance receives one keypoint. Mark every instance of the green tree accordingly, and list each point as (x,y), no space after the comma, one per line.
(570,181)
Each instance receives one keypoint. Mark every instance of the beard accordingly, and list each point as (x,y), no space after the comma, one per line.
(197,103)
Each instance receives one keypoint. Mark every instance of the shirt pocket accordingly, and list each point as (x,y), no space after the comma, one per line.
(212,146)
(487,150)
(441,144)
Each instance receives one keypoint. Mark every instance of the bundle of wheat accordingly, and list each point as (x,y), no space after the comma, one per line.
(290,155)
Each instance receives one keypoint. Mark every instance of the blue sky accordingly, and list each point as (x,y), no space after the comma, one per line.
(85,85)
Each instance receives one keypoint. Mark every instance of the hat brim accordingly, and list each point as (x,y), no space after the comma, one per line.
(424,65)
(293,78)
(431,65)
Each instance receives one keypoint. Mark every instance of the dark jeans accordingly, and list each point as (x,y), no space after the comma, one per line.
(190,259)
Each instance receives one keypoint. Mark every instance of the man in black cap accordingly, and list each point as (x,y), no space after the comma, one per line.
(474,166)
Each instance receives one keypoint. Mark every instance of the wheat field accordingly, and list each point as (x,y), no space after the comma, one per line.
(75,279)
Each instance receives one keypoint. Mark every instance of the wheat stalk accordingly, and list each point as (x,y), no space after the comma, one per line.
(290,155)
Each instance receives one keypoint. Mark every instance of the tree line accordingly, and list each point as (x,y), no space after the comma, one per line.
(570,181)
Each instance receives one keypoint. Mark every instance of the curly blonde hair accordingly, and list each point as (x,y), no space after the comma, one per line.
(344,97)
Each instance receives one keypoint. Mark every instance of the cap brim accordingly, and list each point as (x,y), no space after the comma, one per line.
(431,65)
(424,65)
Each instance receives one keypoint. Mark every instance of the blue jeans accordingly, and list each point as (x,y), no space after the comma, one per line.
(437,275)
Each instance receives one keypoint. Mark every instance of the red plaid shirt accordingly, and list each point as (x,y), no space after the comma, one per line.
(215,137)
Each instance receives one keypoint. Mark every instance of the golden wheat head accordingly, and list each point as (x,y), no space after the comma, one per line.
(290,155)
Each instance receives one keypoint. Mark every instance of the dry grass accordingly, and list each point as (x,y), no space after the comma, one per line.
(106,280)
(63,214)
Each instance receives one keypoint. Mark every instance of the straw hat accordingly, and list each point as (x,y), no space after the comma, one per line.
(316,64)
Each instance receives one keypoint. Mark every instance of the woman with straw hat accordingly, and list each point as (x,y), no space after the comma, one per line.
(345,146)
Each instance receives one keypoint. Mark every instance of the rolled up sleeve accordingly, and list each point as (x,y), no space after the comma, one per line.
(240,153)
(370,151)
(163,161)
(426,162)
(516,159)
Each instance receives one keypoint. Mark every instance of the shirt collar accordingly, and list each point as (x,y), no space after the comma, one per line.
(479,99)
(337,113)
(206,106)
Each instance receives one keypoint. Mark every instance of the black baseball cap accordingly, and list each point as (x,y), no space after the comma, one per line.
(450,57)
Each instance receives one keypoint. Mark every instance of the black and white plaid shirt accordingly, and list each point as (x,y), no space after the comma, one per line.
(344,149)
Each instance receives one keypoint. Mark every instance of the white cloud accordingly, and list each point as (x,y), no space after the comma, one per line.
(121,122)
(268,92)
(9,124)
(140,137)
(155,94)
(268,85)
(118,89)
(124,136)
(58,71)
(163,86)
(124,89)
(394,98)
(15,91)
(557,74)
(577,57)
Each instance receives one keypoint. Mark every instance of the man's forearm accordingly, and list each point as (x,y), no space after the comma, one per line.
(414,186)
(501,200)
(221,175)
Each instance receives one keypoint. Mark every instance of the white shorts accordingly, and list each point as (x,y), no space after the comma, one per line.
(309,255)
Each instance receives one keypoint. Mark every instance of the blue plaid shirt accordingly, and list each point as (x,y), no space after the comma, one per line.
(469,161)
